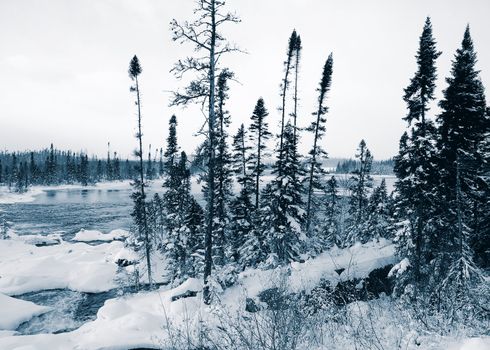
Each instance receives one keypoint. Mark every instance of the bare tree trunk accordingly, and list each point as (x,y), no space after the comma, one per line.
(208,257)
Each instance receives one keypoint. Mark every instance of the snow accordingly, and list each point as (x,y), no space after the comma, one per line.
(399,268)
(144,319)
(472,344)
(357,261)
(13,312)
(39,240)
(7,197)
(93,235)
(135,321)
(79,267)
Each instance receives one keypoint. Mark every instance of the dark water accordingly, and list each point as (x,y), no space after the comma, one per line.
(69,310)
(70,210)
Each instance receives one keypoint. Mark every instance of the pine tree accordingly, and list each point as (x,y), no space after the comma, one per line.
(14,172)
(241,227)
(414,164)
(379,213)
(241,158)
(109,175)
(84,171)
(149,165)
(223,169)
(160,163)
(317,127)
(297,56)
(171,201)
(361,182)
(329,232)
(286,204)
(288,64)
(51,167)
(203,33)
(463,129)
(172,149)
(139,197)
(242,210)
(259,134)
(33,169)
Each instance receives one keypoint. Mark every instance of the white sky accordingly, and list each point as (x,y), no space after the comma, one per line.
(63,67)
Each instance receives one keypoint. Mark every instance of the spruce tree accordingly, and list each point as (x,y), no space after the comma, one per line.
(330,232)
(463,129)
(286,214)
(297,57)
(223,171)
(414,164)
(242,225)
(288,64)
(259,134)
(379,221)
(317,127)
(360,184)
(241,158)
(109,163)
(139,197)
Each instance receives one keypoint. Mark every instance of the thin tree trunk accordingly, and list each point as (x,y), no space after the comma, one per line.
(142,189)
(295,95)
(208,258)
(244,159)
(312,169)
(257,176)
(284,90)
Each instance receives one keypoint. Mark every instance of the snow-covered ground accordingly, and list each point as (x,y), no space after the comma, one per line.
(138,320)
(14,311)
(94,235)
(357,262)
(7,197)
(145,319)
(79,267)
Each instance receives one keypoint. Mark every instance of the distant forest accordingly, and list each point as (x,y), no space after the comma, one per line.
(51,166)
(379,167)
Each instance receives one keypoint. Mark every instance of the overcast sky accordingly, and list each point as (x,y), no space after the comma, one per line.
(63,67)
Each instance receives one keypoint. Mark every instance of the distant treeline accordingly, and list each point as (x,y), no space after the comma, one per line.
(51,166)
(379,167)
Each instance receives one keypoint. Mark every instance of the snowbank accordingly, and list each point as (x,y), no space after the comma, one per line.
(472,344)
(93,235)
(354,262)
(134,321)
(79,267)
(142,320)
(7,197)
(13,312)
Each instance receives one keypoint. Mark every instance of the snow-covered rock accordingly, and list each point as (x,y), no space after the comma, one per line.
(79,267)
(93,235)
(13,312)
(354,262)
(8,197)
